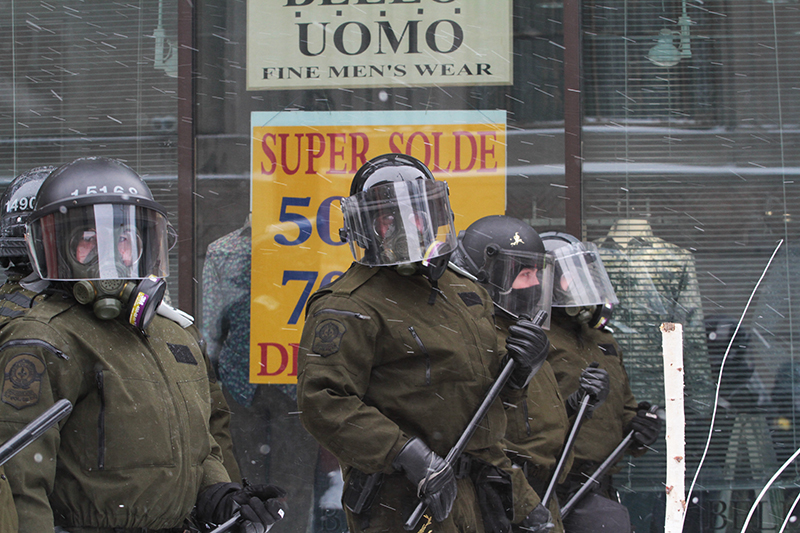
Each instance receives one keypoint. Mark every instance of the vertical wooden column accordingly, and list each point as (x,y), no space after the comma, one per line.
(186,157)
(573,117)
(672,345)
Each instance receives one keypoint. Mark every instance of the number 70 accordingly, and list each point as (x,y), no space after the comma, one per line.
(309,276)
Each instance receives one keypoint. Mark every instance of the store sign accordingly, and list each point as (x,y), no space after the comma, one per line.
(310,44)
(303,163)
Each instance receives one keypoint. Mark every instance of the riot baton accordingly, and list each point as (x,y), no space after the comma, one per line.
(457,449)
(610,461)
(229,523)
(576,426)
(34,429)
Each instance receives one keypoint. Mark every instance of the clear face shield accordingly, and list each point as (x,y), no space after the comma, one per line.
(102,241)
(520,282)
(582,279)
(398,223)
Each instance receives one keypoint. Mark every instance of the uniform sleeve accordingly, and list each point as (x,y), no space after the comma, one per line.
(335,362)
(219,424)
(34,378)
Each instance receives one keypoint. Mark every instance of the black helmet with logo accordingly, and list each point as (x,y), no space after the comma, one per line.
(397,214)
(17,204)
(507,256)
(95,218)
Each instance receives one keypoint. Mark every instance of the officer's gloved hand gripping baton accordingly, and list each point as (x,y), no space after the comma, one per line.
(610,461)
(456,451)
(34,429)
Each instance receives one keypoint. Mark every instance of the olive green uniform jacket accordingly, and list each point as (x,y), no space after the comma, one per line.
(573,347)
(537,428)
(379,364)
(137,447)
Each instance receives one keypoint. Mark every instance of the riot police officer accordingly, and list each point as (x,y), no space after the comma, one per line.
(395,358)
(582,301)
(508,257)
(137,451)
(16,204)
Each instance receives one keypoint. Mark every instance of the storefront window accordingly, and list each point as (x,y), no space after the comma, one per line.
(91,80)
(689,126)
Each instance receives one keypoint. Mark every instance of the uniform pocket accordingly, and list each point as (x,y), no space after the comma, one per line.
(133,424)
(197,405)
(442,355)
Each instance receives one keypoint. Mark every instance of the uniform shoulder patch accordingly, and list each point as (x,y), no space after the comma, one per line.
(608,349)
(471,298)
(22,381)
(328,337)
(182,354)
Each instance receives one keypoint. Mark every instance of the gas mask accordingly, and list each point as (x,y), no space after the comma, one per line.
(137,299)
(595,316)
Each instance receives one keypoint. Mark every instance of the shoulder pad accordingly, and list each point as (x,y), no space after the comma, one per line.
(181,318)
(347,283)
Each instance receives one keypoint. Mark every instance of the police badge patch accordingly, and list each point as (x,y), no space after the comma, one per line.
(22,381)
(328,337)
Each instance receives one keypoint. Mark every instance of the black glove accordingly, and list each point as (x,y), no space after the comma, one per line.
(259,505)
(538,521)
(433,477)
(594,382)
(527,345)
(645,425)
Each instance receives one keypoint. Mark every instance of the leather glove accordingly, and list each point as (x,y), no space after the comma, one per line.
(259,505)
(433,477)
(527,345)
(594,382)
(538,521)
(645,425)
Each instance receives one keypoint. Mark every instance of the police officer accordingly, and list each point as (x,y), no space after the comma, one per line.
(510,260)
(16,203)
(582,300)
(137,452)
(395,358)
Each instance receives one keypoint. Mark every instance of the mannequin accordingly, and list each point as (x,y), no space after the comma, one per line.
(626,229)
(656,282)
(269,441)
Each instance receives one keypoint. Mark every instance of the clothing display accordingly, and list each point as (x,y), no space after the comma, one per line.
(656,282)
(269,442)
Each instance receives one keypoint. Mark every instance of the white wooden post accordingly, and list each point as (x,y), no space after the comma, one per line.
(672,346)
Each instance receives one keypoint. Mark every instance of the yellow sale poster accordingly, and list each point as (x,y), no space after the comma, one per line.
(302,165)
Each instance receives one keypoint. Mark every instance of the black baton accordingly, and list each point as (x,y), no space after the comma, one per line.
(576,426)
(34,429)
(610,461)
(456,451)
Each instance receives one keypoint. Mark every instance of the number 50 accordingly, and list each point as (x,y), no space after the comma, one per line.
(303,224)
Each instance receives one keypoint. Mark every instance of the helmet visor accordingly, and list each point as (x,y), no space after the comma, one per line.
(581,278)
(520,282)
(101,241)
(399,222)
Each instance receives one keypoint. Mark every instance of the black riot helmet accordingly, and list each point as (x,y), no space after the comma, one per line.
(17,204)
(582,288)
(507,256)
(95,223)
(397,214)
